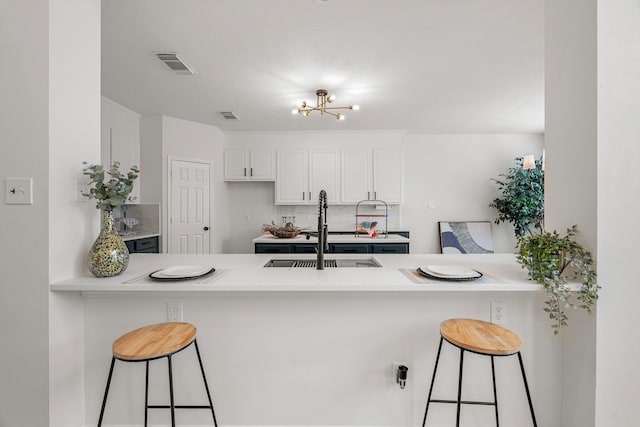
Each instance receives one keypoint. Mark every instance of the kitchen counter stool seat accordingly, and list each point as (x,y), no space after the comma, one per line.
(482,338)
(155,342)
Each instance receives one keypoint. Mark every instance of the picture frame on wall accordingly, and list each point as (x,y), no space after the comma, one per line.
(465,237)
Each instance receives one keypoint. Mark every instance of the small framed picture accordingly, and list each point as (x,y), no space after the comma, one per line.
(465,237)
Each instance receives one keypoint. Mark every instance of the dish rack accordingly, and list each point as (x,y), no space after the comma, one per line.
(359,214)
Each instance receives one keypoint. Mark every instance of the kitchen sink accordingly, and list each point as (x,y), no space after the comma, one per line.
(328,263)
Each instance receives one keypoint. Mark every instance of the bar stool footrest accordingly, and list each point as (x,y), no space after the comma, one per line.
(178,407)
(466,402)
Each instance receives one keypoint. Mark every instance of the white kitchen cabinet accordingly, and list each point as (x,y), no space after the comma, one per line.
(371,174)
(301,174)
(324,170)
(387,175)
(292,177)
(249,165)
(357,176)
(120,141)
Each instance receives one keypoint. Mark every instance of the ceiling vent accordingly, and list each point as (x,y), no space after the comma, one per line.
(176,63)
(229,115)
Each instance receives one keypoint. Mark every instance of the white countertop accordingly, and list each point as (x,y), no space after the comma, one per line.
(142,234)
(333,238)
(246,273)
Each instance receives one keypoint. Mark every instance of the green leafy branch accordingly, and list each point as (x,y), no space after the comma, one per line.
(114,192)
(522,200)
(552,260)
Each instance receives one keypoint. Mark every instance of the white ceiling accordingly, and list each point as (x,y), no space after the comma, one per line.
(427,66)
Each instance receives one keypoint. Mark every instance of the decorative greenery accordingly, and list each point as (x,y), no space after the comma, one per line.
(113,193)
(551,261)
(522,201)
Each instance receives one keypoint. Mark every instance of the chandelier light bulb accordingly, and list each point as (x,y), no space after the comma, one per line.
(340,116)
(331,98)
(295,111)
(355,107)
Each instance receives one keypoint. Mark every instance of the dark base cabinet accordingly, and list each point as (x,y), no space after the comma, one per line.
(348,248)
(390,248)
(147,245)
(334,248)
(369,248)
(283,248)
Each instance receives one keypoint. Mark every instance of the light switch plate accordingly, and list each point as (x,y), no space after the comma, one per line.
(18,191)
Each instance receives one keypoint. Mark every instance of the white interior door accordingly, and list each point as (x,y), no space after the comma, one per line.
(189,220)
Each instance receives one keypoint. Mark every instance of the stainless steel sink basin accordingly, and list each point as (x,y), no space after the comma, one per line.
(328,263)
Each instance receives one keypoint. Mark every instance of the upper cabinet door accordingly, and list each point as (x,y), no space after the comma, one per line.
(124,147)
(248,165)
(292,177)
(324,174)
(262,165)
(120,141)
(357,173)
(387,175)
(235,165)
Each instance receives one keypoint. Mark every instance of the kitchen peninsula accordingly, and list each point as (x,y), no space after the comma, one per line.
(276,340)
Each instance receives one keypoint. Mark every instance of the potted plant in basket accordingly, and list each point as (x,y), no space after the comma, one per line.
(552,260)
(109,255)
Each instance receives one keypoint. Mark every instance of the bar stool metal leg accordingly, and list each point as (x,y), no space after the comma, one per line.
(459,388)
(106,391)
(172,404)
(526,387)
(146,393)
(433,379)
(495,393)
(206,386)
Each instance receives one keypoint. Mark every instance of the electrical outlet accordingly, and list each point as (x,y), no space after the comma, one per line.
(498,313)
(174,311)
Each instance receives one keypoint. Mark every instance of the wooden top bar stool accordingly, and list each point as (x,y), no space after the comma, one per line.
(482,338)
(155,342)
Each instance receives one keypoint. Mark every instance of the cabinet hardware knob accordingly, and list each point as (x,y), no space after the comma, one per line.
(206,228)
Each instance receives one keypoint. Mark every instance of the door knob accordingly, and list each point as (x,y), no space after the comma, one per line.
(206,228)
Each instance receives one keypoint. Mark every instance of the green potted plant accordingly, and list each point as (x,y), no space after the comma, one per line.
(522,200)
(109,255)
(552,260)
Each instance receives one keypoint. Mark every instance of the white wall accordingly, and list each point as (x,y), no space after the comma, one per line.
(74,137)
(571,176)
(50,124)
(324,358)
(163,137)
(24,229)
(452,171)
(618,349)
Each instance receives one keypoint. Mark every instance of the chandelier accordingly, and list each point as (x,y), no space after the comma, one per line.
(322,100)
